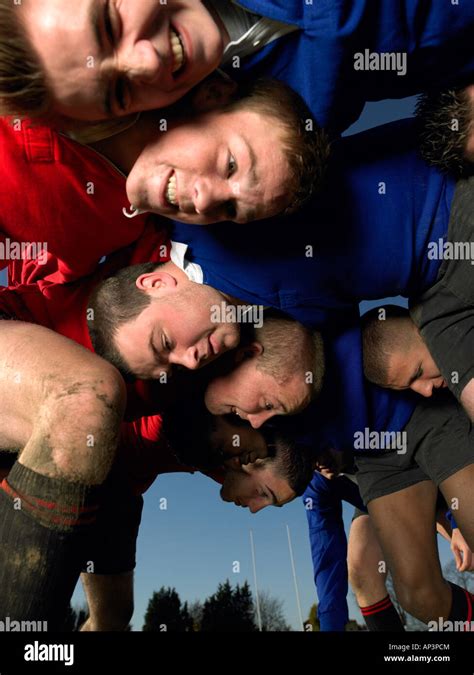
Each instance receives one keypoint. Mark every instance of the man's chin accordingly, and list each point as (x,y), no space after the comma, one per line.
(233,463)
(120,364)
(224,499)
(123,369)
(212,407)
(469,154)
(128,377)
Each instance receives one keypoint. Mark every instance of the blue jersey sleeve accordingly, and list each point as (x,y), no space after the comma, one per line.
(450,518)
(329,553)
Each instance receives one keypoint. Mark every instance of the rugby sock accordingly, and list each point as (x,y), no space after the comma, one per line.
(382,616)
(45,524)
(462,606)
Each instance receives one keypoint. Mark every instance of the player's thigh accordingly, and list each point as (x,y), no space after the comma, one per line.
(458,490)
(363,551)
(404,524)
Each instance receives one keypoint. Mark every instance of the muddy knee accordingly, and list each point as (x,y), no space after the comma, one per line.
(76,430)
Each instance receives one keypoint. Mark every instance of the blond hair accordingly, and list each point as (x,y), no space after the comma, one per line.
(283,338)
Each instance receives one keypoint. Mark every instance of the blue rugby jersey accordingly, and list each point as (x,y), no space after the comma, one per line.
(366,237)
(320,61)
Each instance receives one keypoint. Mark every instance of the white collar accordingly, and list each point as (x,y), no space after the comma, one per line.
(178,256)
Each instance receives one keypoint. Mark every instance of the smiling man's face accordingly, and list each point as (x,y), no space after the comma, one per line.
(107,58)
(255,395)
(236,442)
(213,167)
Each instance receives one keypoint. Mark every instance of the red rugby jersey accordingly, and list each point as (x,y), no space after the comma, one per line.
(62,307)
(144,453)
(56,191)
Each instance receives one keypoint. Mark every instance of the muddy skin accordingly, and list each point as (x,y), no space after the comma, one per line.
(66,451)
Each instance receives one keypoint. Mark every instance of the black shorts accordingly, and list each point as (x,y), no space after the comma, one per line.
(439,442)
(7,460)
(112,549)
(358,513)
(445,312)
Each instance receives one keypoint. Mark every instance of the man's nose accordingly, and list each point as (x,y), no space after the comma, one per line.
(190,358)
(255,506)
(141,62)
(423,387)
(209,195)
(258,419)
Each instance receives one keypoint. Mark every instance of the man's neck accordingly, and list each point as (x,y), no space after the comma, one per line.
(220,24)
(124,149)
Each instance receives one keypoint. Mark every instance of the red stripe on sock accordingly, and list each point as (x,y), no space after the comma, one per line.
(376,611)
(382,608)
(63,507)
(60,518)
(46,505)
(381,604)
(57,519)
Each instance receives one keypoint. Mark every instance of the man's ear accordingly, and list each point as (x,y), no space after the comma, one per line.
(249,351)
(215,92)
(157,283)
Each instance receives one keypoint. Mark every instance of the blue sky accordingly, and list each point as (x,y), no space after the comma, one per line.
(194,543)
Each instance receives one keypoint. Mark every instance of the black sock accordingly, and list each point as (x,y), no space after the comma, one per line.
(462,605)
(382,616)
(44,526)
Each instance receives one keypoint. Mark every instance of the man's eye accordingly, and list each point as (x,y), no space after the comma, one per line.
(232,167)
(121,94)
(268,406)
(166,343)
(109,28)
